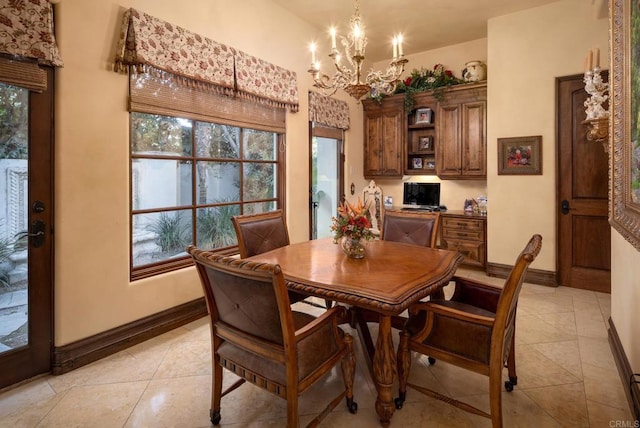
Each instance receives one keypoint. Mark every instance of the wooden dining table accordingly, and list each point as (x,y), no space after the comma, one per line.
(385,282)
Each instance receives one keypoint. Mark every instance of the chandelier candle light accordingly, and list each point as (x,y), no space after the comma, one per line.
(348,76)
(597,119)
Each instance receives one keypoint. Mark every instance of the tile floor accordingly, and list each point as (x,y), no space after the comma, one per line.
(566,378)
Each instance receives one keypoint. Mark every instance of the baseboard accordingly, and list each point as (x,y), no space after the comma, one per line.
(533,276)
(90,349)
(629,381)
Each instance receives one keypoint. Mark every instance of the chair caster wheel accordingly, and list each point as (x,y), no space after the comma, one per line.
(352,406)
(508,386)
(399,402)
(215,416)
(432,360)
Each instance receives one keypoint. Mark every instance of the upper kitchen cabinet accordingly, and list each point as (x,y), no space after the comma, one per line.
(384,127)
(461,123)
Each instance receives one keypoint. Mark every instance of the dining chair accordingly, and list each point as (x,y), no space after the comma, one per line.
(411,227)
(256,335)
(474,330)
(262,232)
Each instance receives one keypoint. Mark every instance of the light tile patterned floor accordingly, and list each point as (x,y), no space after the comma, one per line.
(566,378)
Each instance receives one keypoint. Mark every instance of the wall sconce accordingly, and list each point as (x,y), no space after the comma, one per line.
(597,121)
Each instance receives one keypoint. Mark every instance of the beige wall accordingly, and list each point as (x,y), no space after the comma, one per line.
(93,292)
(527,52)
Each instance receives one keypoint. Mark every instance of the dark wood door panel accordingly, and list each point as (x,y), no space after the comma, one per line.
(591,243)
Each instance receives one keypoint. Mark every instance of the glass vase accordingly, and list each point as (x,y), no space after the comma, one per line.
(352,247)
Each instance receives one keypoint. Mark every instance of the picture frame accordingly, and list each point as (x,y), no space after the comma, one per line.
(430,165)
(423,116)
(520,155)
(425,143)
(417,163)
(624,202)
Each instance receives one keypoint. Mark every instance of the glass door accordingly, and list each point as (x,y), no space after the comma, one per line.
(326,179)
(26,188)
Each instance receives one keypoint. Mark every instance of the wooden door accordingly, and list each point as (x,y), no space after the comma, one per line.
(26,339)
(584,235)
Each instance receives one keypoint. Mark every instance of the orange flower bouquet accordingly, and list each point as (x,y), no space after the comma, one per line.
(351,226)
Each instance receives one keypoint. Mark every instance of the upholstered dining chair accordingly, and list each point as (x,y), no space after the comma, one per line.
(259,233)
(411,227)
(474,330)
(256,335)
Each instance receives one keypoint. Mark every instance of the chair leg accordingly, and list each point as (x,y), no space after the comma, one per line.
(495,395)
(216,391)
(348,365)
(404,365)
(511,366)
(328,303)
(292,406)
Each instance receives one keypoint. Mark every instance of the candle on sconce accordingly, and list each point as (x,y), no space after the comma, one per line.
(312,48)
(395,47)
(332,32)
(590,60)
(400,51)
(598,57)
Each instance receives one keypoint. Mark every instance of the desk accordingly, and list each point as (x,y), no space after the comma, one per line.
(386,281)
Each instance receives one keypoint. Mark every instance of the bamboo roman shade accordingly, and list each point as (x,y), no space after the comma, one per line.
(179,57)
(26,41)
(328,111)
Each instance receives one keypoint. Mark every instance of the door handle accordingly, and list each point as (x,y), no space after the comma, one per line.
(37,234)
(564,207)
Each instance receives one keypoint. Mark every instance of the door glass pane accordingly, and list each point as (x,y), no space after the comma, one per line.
(14,160)
(324,186)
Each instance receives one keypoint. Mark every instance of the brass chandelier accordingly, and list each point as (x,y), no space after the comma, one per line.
(348,75)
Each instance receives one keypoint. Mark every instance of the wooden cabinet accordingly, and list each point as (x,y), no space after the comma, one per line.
(462,133)
(421,136)
(384,126)
(466,234)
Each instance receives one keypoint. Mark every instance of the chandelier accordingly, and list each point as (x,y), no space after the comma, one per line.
(348,74)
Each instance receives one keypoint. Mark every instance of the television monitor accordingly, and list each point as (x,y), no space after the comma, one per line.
(421,194)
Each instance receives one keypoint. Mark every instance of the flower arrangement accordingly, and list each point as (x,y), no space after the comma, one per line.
(352,222)
(424,80)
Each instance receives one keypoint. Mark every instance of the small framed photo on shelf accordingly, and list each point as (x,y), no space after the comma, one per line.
(425,143)
(417,163)
(430,165)
(423,116)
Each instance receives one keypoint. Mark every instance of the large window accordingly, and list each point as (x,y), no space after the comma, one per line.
(188,178)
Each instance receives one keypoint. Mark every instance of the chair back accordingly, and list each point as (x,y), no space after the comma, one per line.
(259,233)
(247,296)
(411,227)
(507,303)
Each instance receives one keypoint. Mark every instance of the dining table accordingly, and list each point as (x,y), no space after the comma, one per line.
(389,278)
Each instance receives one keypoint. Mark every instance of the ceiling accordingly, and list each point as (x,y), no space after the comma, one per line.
(425,24)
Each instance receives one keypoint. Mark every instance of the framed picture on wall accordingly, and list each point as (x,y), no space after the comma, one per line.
(417,163)
(520,155)
(425,143)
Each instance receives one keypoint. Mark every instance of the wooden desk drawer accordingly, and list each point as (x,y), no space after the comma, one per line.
(469,234)
(463,224)
(473,252)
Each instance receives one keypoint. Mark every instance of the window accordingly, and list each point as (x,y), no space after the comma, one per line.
(188,178)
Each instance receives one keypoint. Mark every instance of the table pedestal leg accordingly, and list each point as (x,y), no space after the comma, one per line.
(384,363)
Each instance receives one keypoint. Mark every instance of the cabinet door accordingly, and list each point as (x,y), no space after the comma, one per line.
(448,149)
(373,145)
(474,139)
(392,129)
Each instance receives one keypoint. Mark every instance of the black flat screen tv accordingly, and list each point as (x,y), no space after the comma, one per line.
(421,194)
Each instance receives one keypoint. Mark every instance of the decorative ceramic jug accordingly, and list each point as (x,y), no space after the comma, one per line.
(474,71)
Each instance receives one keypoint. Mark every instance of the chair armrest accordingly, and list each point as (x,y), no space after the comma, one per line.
(336,313)
(439,309)
(476,293)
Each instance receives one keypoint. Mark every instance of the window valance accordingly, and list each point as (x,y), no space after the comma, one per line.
(150,45)
(26,31)
(328,111)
